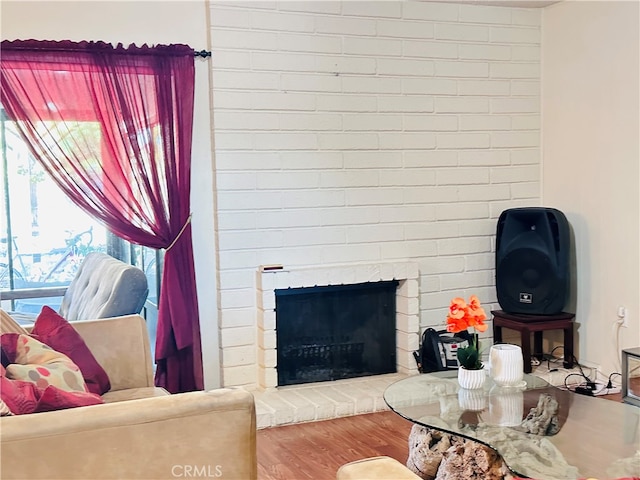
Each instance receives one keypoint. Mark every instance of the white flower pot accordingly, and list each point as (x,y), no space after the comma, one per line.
(471,379)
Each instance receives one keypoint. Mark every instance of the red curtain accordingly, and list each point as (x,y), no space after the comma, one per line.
(113,128)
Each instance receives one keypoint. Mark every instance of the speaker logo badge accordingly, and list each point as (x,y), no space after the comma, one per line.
(526,297)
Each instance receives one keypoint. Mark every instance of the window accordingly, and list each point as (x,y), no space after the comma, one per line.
(113,127)
(44,236)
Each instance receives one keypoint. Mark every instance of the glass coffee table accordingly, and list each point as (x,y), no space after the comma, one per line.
(540,431)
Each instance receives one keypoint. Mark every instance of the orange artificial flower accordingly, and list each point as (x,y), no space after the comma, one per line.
(458,308)
(456,325)
(475,308)
(477,313)
(462,315)
(479,325)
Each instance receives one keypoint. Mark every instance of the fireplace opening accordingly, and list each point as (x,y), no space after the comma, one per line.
(335,332)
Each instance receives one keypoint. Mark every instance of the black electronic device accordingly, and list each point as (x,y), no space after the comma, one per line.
(532,261)
(439,348)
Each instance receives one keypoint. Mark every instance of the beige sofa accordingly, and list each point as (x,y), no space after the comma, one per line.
(141,432)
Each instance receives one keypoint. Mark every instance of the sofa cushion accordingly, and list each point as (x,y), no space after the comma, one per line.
(53,330)
(121,346)
(39,379)
(134,394)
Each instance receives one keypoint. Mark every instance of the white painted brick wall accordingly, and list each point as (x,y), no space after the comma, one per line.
(367,132)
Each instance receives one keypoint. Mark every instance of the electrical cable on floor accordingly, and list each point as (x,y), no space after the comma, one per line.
(591,387)
(586,385)
(609,384)
(550,357)
(583,383)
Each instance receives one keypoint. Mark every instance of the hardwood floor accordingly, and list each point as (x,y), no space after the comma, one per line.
(316,450)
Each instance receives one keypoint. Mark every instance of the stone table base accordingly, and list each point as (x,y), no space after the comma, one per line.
(436,455)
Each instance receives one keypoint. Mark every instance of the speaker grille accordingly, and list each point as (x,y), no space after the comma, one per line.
(532,280)
(532,267)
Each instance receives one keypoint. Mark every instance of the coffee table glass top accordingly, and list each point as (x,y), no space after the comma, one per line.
(540,431)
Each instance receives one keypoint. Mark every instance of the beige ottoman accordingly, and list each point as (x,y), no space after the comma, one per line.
(376,468)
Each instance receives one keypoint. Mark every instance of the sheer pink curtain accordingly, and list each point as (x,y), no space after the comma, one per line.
(113,126)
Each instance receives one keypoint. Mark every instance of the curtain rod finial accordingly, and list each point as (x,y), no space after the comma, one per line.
(202,53)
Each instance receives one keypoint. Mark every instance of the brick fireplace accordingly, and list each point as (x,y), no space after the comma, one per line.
(407,306)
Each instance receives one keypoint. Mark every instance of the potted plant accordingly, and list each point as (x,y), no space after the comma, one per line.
(463,315)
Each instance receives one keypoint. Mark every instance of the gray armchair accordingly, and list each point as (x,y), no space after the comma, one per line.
(104,287)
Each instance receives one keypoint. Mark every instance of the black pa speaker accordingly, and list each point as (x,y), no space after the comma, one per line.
(532,261)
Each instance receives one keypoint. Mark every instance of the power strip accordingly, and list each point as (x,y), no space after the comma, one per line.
(602,390)
(596,390)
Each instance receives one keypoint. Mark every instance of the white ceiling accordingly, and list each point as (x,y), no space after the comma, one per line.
(504,3)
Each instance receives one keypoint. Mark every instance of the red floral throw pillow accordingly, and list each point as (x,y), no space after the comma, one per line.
(39,379)
(55,331)
(29,360)
(25,397)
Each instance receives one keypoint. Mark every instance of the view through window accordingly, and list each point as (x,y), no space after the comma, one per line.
(44,236)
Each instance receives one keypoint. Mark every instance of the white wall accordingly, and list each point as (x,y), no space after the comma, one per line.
(365,132)
(591,137)
(316,167)
(150,22)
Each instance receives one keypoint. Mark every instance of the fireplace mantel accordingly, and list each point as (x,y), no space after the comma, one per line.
(407,305)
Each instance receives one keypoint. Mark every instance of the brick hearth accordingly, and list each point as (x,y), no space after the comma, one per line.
(343,398)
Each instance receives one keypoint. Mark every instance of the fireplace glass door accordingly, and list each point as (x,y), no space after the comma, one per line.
(335,332)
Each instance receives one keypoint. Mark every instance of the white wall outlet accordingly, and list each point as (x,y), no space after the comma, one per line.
(623,313)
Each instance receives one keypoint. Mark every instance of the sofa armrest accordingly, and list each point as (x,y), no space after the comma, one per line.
(121,347)
(195,434)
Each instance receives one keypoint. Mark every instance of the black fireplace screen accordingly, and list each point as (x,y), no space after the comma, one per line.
(334,332)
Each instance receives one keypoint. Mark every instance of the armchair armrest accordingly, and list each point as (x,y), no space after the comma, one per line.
(173,436)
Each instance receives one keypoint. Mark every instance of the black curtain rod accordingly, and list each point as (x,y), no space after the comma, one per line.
(69,46)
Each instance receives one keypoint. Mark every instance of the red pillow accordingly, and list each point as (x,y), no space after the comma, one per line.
(52,329)
(26,397)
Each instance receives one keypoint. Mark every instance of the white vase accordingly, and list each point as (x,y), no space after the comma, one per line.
(506,365)
(471,379)
(472,399)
